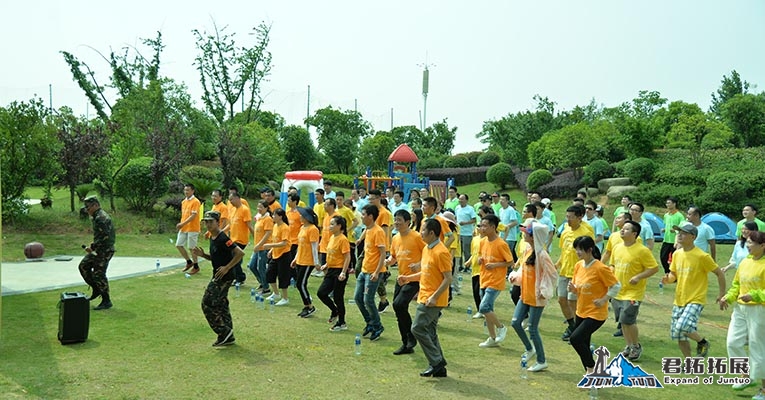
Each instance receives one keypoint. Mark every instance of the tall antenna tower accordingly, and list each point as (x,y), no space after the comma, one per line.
(425,83)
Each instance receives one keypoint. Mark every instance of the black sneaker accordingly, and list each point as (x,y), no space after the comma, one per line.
(225,340)
(404,349)
(566,335)
(105,305)
(309,312)
(618,333)
(376,334)
(383,306)
(702,349)
(367,330)
(303,312)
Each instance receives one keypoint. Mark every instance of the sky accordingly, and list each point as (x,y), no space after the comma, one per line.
(486,59)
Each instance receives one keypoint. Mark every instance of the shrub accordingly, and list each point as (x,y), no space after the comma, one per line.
(563,185)
(136,186)
(488,158)
(190,172)
(538,178)
(726,186)
(655,194)
(458,161)
(640,170)
(472,156)
(342,180)
(597,170)
(500,174)
(83,190)
(14,209)
(462,176)
(432,162)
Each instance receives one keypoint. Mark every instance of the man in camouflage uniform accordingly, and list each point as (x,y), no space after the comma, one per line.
(93,266)
(224,255)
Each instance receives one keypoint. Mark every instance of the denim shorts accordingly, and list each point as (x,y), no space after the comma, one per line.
(488,296)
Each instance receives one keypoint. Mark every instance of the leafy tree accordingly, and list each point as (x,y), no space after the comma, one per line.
(745,115)
(374,150)
(501,175)
(229,73)
(253,154)
(573,146)
(299,151)
(438,138)
(729,87)
(697,133)
(83,144)
(340,135)
(27,141)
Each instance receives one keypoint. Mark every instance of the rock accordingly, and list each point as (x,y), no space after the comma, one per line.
(617,192)
(591,191)
(605,184)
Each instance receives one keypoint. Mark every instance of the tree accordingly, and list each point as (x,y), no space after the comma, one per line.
(374,150)
(697,133)
(83,144)
(253,154)
(340,135)
(229,73)
(637,123)
(745,115)
(27,141)
(299,151)
(729,87)
(573,146)
(439,139)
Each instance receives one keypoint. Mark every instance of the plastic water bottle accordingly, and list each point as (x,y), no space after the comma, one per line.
(237,289)
(357,345)
(271,306)
(459,281)
(253,296)
(470,314)
(592,348)
(524,365)
(292,282)
(593,393)
(261,302)
(156,266)
(661,287)
(187,275)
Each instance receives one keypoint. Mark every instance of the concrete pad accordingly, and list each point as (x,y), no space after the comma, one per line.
(49,274)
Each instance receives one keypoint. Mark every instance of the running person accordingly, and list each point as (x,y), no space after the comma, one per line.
(307,257)
(335,272)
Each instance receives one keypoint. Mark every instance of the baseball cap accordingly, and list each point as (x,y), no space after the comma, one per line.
(211,216)
(687,228)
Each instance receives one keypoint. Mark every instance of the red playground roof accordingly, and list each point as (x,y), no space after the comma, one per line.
(404,154)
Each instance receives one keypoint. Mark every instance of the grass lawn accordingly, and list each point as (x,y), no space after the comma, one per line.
(155,343)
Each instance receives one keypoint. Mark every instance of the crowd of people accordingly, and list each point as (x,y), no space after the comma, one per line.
(429,242)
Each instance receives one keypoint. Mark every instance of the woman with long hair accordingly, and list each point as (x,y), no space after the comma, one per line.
(594,283)
(336,270)
(279,257)
(264,226)
(537,279)
(740,249)
(307,257)
(417,218)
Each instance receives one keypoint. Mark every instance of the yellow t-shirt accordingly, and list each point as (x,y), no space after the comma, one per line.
(239,221)
(435,262)
(318,208)
(280,233)
(308,235)
(373,239)
(593,283)
(189,206)
(568,258)
(337,248)
(407,250)
(629,261)
(347,214)
(494,251)
(692,269)
(749,279)
(475,253)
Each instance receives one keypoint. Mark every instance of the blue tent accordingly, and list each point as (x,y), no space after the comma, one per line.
(657,224)
(724,227)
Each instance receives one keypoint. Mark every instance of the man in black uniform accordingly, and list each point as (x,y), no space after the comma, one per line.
(93,266)
(224,254)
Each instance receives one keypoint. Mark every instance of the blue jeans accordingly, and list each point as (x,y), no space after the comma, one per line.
(259,265)
(365,300)
(535,313)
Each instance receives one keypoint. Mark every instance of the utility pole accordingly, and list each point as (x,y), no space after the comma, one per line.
(308,107)
(425,84)
(50,96)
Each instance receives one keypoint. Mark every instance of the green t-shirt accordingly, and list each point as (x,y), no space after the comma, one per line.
(671,220)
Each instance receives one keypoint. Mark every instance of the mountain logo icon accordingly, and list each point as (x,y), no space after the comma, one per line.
(619,372)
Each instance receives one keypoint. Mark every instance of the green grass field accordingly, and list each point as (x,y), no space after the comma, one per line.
(155,343)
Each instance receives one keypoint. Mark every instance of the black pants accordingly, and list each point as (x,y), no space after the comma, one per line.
(666,250)
(402,296)
(303,273)
(239,275)
(331,284)
(279,268)
(476,281)
(293,254)
(580,339)
(515,294)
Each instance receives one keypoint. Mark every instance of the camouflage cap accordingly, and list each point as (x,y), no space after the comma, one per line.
(211,216)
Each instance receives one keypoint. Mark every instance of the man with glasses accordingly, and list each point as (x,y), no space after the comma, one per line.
(646,231)
(591,217)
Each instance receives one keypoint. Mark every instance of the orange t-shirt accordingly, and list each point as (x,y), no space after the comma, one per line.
(435,262)
(274,206)
(308,234)
(528,279)
(223,210)
(494,251)
(263,225)
(325,233)
(293,216)
(593,283)
(239,220)
(385,219)
(281,233)
(187,207)
(375,237)
(337,248)
(407,250)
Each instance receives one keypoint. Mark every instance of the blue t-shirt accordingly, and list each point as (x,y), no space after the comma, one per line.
(507,216)
(466,213)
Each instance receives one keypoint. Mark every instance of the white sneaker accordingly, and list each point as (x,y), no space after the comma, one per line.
(501,334)
(760,395)
(537,367)
(490,342)
(315,272)
(477,315)
(282,302)
(274,297)
(525,325)
(530,353)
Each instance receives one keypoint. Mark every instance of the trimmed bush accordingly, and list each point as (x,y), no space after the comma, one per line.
(500,174)
(190,172)
(597,170)
(538,178)
(135,185)
(462,176)
(488,159)
(431,162)
(341,180)
(473,156)
(458,161)
(655,194)
(640,170)
(563,185)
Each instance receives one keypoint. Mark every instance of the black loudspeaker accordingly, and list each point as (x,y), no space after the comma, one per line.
(73,317)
